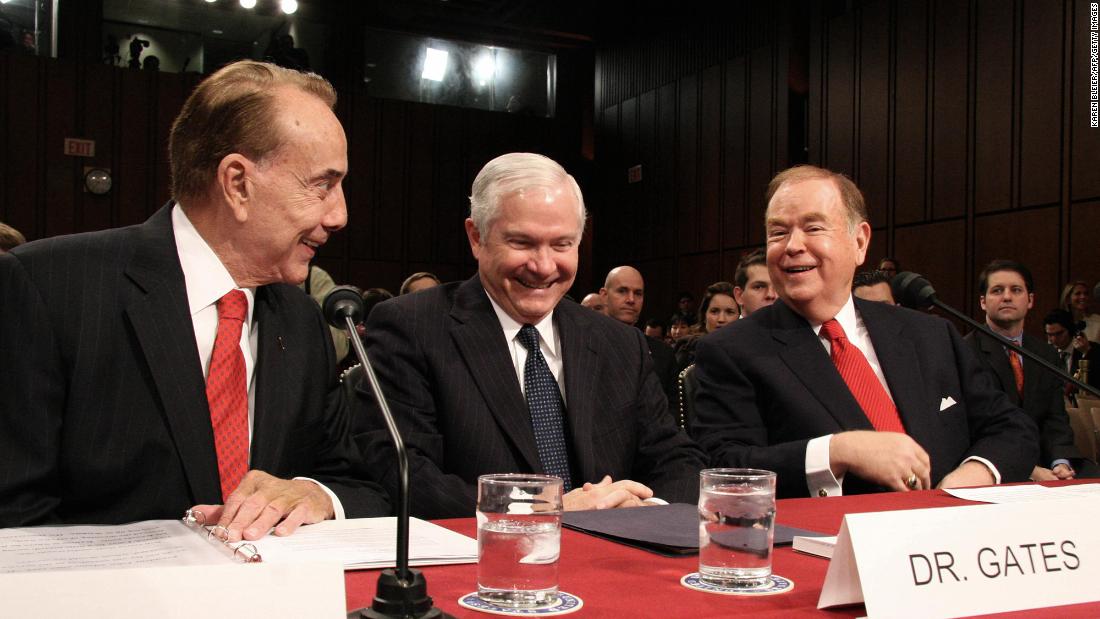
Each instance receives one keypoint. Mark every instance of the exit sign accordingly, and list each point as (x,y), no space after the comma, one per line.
(76,147)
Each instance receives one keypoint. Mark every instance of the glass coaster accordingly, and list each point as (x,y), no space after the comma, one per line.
(775,584)
(567,603)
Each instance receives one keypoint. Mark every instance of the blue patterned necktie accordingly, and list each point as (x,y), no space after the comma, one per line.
(546,407)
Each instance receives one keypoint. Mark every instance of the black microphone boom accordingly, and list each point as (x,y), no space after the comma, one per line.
(402,592)
(915,292)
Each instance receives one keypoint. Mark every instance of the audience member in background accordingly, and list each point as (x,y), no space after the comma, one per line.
(1075,300)
(873,286)
(1007,294)
(655,328)
(1068,339)
(832,392)
(595,301)
(417,282)
(317,285)
(371,297)
(624,294)
(753,288)
(685,305)
(151,368)
(500,374)
(679,327)
(890,266)
(10,238)
(717,310)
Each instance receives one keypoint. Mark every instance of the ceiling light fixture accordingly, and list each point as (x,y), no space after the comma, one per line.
(248,4)
(288,6)
(435,65)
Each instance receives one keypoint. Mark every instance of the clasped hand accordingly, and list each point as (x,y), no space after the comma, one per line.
(263,501)
(607,494)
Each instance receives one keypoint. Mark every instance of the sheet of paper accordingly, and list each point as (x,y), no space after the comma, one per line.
(281,591)
(1024,494)
(141,544)
(365,543)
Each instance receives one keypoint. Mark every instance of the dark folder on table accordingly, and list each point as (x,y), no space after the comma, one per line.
(669,530)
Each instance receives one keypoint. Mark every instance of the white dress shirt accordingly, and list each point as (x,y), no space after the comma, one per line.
(549,344)
(206,280)
(819,472)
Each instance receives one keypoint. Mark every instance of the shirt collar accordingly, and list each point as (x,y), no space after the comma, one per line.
(205,277)
(846,317)
(545,327)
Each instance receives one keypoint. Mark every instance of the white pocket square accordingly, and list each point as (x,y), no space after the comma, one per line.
(946,403)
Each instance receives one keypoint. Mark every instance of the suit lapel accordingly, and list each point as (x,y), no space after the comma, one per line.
(162,325)
(268,436)
(808,360)
(896,355)
(580,361)
(479,338)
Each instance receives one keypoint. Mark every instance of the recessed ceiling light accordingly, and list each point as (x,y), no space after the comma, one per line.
(289,6)
(435,65)
(248,4)
(216,31)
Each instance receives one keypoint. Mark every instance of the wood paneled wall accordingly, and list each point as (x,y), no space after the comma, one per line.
(707,143)
(965,124)
(411,164)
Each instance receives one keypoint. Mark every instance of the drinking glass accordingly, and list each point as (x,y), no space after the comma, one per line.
(736,527)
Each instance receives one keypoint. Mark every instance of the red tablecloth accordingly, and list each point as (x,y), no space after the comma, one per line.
(618,581)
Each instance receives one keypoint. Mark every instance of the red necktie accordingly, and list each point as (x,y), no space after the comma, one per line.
(1017,371)
(861,380)
(227,393)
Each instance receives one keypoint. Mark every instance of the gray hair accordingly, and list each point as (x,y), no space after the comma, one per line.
(512,173)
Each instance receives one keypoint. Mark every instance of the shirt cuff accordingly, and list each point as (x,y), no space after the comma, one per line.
(988,465)
(655,501)
(337,506)
(819,473)
(1061,461)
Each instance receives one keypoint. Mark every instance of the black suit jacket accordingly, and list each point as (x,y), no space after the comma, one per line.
(104,417)
(767,386)
(444,365)
(1042,399)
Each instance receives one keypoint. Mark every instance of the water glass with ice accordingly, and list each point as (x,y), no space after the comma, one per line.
(736,527)
(518,539)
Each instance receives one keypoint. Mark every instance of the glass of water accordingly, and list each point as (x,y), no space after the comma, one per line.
(736,527)
(518,539)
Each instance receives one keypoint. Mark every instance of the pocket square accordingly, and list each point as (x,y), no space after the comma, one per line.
(946,403)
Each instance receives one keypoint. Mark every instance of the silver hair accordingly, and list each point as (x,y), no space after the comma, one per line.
(515,172)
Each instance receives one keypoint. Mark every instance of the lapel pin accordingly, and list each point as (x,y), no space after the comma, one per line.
(282,344)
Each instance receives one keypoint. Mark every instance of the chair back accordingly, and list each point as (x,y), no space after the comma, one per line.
(686,383)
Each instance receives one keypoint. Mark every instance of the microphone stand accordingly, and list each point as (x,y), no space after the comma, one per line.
(912,287)
(402,592)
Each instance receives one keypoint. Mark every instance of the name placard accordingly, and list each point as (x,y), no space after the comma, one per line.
(968,560)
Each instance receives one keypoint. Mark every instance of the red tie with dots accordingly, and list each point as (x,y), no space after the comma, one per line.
(861,380)
(227,393)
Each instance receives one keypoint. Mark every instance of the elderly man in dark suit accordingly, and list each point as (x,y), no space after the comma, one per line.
(152,368)
(499,374)
(841,395)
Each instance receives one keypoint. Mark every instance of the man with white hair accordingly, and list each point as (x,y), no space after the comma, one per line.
(499,374)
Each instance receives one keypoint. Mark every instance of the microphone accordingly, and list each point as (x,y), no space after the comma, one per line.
(402,592)
(912,290)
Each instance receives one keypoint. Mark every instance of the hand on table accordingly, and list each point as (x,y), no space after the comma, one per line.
(969,473)
(607,494)
(1062,471)
(885,458)
(262,501)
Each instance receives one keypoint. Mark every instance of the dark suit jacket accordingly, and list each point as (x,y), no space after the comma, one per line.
(664,367)
(444,365)
(104,417)
(767,386)
(1042,399)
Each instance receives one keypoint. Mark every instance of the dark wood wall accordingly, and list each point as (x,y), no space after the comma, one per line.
(411,164)
(965,123)
(708,140)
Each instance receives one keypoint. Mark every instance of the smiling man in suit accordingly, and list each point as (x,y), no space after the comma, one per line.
(838,394)
(499,374)
(151,368)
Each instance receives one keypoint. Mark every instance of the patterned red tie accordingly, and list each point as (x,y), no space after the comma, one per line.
(227,393)
(861,380)
(1017,371)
